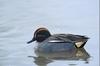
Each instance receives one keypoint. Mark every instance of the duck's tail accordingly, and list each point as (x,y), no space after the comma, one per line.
(81,44)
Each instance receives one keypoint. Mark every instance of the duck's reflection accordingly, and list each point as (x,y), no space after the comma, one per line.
(43,59)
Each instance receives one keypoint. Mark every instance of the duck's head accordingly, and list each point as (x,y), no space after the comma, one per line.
(40,35)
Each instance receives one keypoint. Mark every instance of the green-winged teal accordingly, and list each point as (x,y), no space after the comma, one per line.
(57,42)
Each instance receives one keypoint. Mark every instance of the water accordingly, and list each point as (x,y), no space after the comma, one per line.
(20,18)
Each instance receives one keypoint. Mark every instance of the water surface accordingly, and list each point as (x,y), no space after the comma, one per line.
(20,18)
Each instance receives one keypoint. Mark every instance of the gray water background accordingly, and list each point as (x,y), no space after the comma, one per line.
(20,18)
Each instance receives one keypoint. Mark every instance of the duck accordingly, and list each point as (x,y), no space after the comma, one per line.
(57,42)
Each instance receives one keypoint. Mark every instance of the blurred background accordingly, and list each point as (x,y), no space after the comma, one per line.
(20,18)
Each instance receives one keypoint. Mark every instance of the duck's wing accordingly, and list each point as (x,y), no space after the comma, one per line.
(59,38)
(69,37)
(78,40)
(76,37)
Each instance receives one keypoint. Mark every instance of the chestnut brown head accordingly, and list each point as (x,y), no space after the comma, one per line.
(40,35)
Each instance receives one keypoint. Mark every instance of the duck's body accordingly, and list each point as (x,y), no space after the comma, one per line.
(57,42)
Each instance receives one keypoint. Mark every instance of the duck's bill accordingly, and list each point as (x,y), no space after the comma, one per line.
(30,41)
